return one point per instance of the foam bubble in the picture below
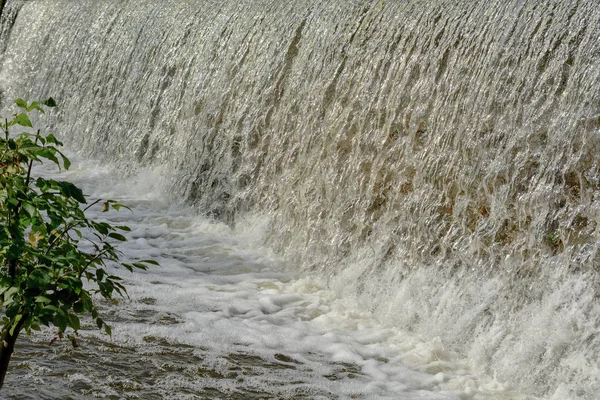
(222, 306)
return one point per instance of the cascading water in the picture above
(437, 162)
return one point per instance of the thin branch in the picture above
(91, 261)
(60, 236)
(68, 228)
(6, 134)
(31, 163)
(91, 205)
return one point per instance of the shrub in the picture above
(48, 247)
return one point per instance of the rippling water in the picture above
(223, 318)
(433, 163)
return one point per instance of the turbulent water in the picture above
(436, 163)
(224, 318)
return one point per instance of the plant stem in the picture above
(8, 346)
(30, 164)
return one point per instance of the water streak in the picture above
(437, 161)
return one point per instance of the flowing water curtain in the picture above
(436, 160)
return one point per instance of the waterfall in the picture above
(437, 161)
(8, 15)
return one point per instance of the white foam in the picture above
(222, 291)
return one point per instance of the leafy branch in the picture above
(42, 226)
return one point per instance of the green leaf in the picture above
(13, 310)
(52, 139)
(35, 106)
(70, 190)
(117, 236)
(101, 227)
(47, 153)
(79, 307)
(29, 208)
(42, 299)
(15, 323)
(38, 279)
(23, 120)
(8, 295)
(100, 274)
(141, 266)
(60, 320)
(74, 321)
(66, 161)
(150, 262)
(21, 103)
(114, 205)
(50, 102)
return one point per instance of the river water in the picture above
(372, 172)
(224, 318)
